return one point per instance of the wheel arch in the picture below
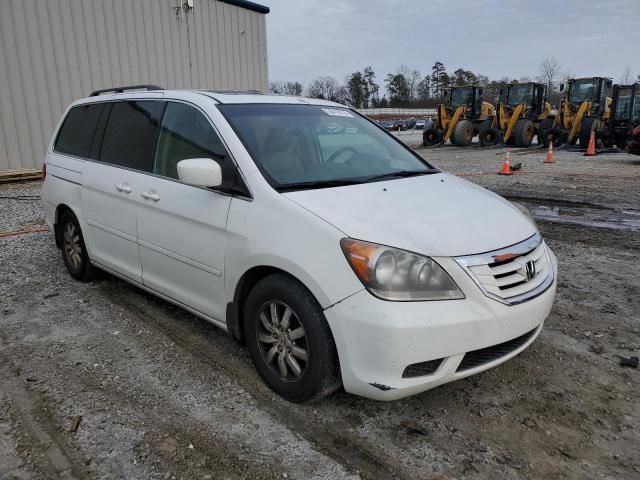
(59, 211)
(235, 308)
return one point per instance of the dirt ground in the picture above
(161, 394)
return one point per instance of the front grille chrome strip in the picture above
(504, 275)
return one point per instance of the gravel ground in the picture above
(161, 394)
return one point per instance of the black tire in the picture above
(74, 250)
(589, 125)
(482, 126)
(558, 136)
(524, 132)
(543, 131)
(463, 133)
(431, 136)
(319, 375)
(490, 137)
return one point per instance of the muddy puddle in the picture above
(590, 216)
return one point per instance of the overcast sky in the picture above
(309, 38)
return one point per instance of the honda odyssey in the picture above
(335, 253)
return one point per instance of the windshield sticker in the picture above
(335, 112)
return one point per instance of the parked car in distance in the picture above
(299, 228)
(386, 124)
(420, 124)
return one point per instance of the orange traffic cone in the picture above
(506, 165)
(549, 158)
(591, 149)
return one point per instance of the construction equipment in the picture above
(625, 115)
(519, 114)
(584, 108)
(459, 117)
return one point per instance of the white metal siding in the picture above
(55, 51)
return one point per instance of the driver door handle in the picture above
(151, 195)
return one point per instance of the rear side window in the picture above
(186, 133)
(78, 129)
(130, 134)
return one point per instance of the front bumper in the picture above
(377, 339)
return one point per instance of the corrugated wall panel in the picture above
(55, 51)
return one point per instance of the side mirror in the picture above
(562, 87)
(201, 172)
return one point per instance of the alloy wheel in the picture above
(282, 340)
(72, 246)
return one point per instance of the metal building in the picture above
(55, 51)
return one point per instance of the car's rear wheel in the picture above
(74, 250)
(289, 339)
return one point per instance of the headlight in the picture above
(394, 274)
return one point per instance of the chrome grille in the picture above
(514, 274)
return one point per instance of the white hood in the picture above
(438, 215)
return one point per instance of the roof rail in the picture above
(122, 89)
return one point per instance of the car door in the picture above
(181, 228)
(112, 185)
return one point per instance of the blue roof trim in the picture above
(248, 5)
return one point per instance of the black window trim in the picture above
(100, 131)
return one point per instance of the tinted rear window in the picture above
(78, 129)
(130, 134)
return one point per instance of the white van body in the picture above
(201, 248)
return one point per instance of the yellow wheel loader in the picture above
(460, 117)
(584, 108)
(522, 109)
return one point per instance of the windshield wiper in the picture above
(318, 184)
(401, 174)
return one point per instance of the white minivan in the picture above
(337, 254)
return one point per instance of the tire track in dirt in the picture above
(357, 455)
(154, 409)
(41, 428)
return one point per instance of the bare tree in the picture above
(626, 78)
(323, 87)
(413, 79)
(548, 73)
(286, 88)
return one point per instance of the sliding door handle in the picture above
(151, 195)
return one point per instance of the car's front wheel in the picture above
(289, 339)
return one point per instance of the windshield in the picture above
(519, 94)
(461, 96)
(582, 90)
(312, 146)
